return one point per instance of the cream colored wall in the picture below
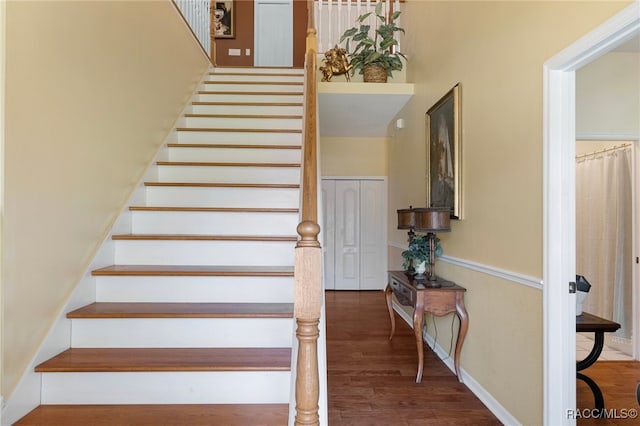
(353, 156)
(496, 51)
(92, 89)
(608, 97)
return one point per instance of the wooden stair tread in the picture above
(286, 117)
(248, 103)
(187, 237)
(210, 92)
(154, 415)
(195, 270)
(214, 209)
(168, 359)
(257, 83)
(232, 130)
(227, 185)
(236, 146)
(257, 74)
(211, 164)
(183, 310)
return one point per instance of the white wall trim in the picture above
(607, 136)
(496, 272)
(354, 178)
(476, 388)
(504, 274)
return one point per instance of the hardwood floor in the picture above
(617, 380)
(371, 380)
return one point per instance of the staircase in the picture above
(193, 324)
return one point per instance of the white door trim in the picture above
(559, 208)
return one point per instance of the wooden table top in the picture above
(408, 279)
(589, 322)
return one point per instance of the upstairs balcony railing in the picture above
(334, 17)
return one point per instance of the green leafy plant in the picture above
(418, 251)
(376, 50)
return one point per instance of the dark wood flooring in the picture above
(617, 380)
(371, 380)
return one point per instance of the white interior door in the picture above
(328, 230)
(273, 40)
(347, 241)
(354, 234)
(373, 256)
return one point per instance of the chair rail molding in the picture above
(504, 274)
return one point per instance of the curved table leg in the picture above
(598, 344)
(387, 294)
(461, 311)
(597, 394)
(593, 356)
(418, 315)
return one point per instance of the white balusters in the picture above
(334, 17)
(196, 13)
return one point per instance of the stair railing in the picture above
(308, 256)
(197, 15)
(334, 17)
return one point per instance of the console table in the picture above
(591, 323)
(438, 301)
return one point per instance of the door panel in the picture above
(354, 234)
(373, 257)
(273, 44)
(347, 256)
(328, 230)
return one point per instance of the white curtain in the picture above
(604, 235)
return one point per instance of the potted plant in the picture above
(374, 56)
(417, 254)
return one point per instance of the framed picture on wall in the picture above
(223, 19)
(443, 150)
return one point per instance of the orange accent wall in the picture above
(299, 32)
(244, 15)
(243, 40)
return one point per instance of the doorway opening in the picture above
(559, 254)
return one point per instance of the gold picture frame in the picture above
(443, 153)
(223, 22)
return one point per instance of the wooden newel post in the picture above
(308, 300)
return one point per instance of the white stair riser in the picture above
(240, 97)
(234, 253)
(198, 387)
(222, 197)
(257, 77)
(247, 109)
(229, 174)
(214, 223)
(181, 333)
(242, 123)
(260, 87)
(176, 289)
(266, 70)
(257, 138)
(235, 155)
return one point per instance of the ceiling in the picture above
(360, 109)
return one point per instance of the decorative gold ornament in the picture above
(336, 63)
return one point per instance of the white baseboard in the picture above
(476, 388)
